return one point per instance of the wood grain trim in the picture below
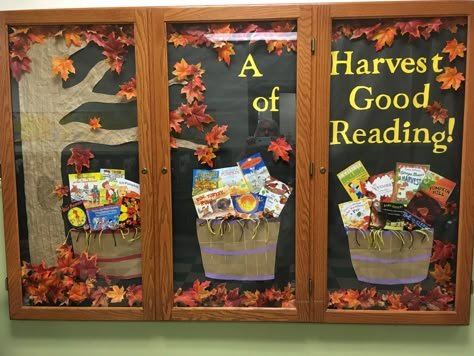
(78, 313)
(231, 13)
(235, 314)
(399, 8)
(146, 154)
(321, 93)
(162, 191)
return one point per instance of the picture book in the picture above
(108, 193)
(393, 215)
(408, 177)
(204, 180)
(352, 179)
(277, 194)
(104, 217)
(424, 207)
(75, 215)
(112, 174)
(85, 187)
(437, 187)
(214, 204)
(255, 171)
(127, 188)
(379, 186)
(356, 214)
(412, 222)
(249, 205)
(232, 178)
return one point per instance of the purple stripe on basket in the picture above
(392, 281)
(388, 261)
(239, 278)
(238, 253)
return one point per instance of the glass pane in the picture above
(397, 106)
(76, 150)
(232, 93)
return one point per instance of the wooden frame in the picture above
(322, 24)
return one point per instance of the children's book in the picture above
(204, 180)
(85, 187)
(277, 194)
(232, 178)
(249, 205)
(424, 207)
(408, 177)
(255, 171)
(352, 179)
(104, 217)
(75, 215)
(214, 204)
(393, 215)
(437, 187)
(356, 214)
(112, 174)
(109, 194)
(412, 222)
(379, 186)
(128, 188)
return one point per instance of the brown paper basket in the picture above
(390, 257)
(242, 250)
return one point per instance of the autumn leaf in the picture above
(128, 89)
(99, 297)
(250, 299)
(195, 115)
(201, 289)
(63, 66)
(87, 267)
(438, 114)
(67, 264)
(351, 298)
(19, 66)
(411, 27)
(450, 78)
(205, 155)
(116, 294)
(224, 51)
(431, 26)
(181, 70)
(221, 28)
(80, 158)
(173, 142)
(72, 35)
(367, 298)
(442, 251)
(454, 49)
(233, 298)
(450, 208)
(384, 37)
(175, 121)
(178, 39)
(412, 299)
(193, 90)
(185, 298)
(442, 275)
(115, 51)
(280, 149)
(61, 191)
(37, 294)
(78, 292)
(335, 299)
(395, 303)
(277, 46)
(134, 294)
(436, 300)
(94, 123)
(367, 31)
(216, 136)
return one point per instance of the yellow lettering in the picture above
(359, 133)
(408, 65)
(336, 132)
(396, 101)
(421, 65)
(424, 95)
(250, 64)
(274, 98)
(377, 61)
(393, 67)
(395, 129)
(336, 62)
(257, 107)
(362, 67)
(353, 94)
(436, 59)
(375, 136)
(417, 131)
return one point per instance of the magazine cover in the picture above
(356, 214)
(232, 178)
(379, 186)
(104, 217)
(352, 179)
(277, 194)
(249, 205)
(85, 187)
(437, 187)
(214, 204)
(255, 171)
(204, 180)
(408, 177)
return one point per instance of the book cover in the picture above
(412, 222)
(437, 187)
(75, 215)
(104, 217)
(424, 207)
(85, 187)
(214, 204)
(249, 205)
(408, 177)
(352, 179)
(204, 180)
(255, 171)
(355, 214)
(128, 188)
(232, 178)
(393, 215)
(108, 192)
(277, 194)
(379, 186)
(112, 174)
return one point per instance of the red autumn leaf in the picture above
(412, 27)
(37, 294)
(61, 190)
(175, 121)
(173, 142)
(412, 299)
(273, 295)
(233, 298)
(335, 299)
(367, 298)
(64, 250)
(99, 297)
(216, 136)
(128, 89)
(221, 28)
(201, 289)
(195, 115)
(67, 264)
(442, 251)
(87, 267)
(450, 208)
(431, 26)
(80, 158)
(56, 291)
(384, 37)
(134, 295)
(442, 275)
(276, 45)
(78, 292)
(36, 37)
(454, 49)
(250, 299)
(367, 31)
(224, 51)
(94, 123)
(436, 300)
(351, 298)
(63, 66)
(450, 78)
(280, 149)
(115, 51)
(193, 90)
(187, 298)
(395, 303)
(453, 23)
(219, 295)
(289, 299)
(438, 114)
(196, 71)
(182, 70)
(116, 294)
(18, 67)
(205, 155)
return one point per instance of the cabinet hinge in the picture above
(311, 168)
(6, 283)
(313, 45)
(310, 287)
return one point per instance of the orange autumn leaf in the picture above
(395, 303)
(63, 66)
(454, 49)
(442, 275)
(134, 294)
(335, 299)
(450, 78)
(73, 36)
(61, 190)
(351, 298)
(94, 123)
(37, 294)
(438, 113)
(116, 294)
(178, 39)
(173, 142)
(128, 89)
(193, 90)
(216, 136)
(280, 149)
(276, 46)
(175, 121)
(384, 37)
(205, 155)
(182, 69)
(224, 51)
(78, 292)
